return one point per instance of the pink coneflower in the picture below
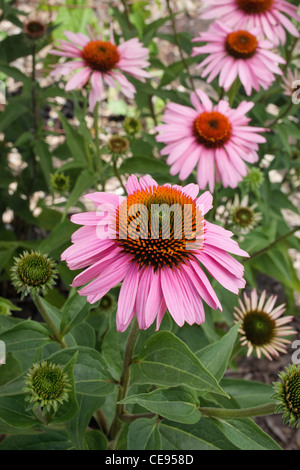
(269, 16)
(158, 242)
(237, 53)
(101, 61)
(262, 329)
(216, 138)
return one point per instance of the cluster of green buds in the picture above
(47, 387)
(60, 182)
(132, 125)
(33, 272)
(253, 180)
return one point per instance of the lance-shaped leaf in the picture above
(176, 404)
(166, 360)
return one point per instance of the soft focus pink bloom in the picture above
(237, 53)
(100, 61)
(217, 139)
(157, 273)
(269, 16)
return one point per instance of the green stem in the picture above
(117, 175)
(282, 115)
(271, 245)
(124, 381)
(261, 410)
(101, 421)
(37, 301)
(129, 418)
(34, 117)
(223, 413)
(173, 24)
(99, 163)
(289, 56)
(127, 11)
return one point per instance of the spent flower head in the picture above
(47, 386)
(35, 27)
(242, 216)
(262, 329)
(287, 394)
(33, 272)
(118, 145)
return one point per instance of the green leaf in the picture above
(171, 73)
(67, 410)
(165, 360)
(144, 434)
(11, 370)
(12, 111)
(13, 72)
(247, 393)
(176, 404)
(76, 428)
(113, 349)
(95, 440)
(84, 335)
(84, 181)
(144, 165)
(60, 235)
(245, 434)
(91, 377)
(27, 335)
(45, 160)
(74, 312)
(277, 264)
(75, 141)
(216, 356)
(203, 435)
(14, 386)
(46, 439)
(12, 411)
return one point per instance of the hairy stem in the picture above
(271, 245)
(261, 410)
(37, 301)
(173, 24)
(124, 381)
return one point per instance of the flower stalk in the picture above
(37, 301)
(124, 381)
(223, 413)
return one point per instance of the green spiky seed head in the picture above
(33, 272)
(287, 394)
(47, 387)
(60, 182)
(254, 179)
(132, 125)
